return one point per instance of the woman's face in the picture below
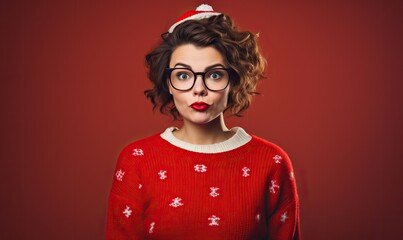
(198, 105)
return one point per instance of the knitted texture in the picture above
(202, 11)
(163, 191)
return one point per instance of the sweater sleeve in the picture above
(283, 205)
(125, 206)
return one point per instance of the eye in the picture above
(215, 75)
(182, 76)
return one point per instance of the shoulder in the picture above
(273, 152)
(139, 148)
(267, 145)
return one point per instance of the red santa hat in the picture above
(202, 11)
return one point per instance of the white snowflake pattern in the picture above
(200, 168)
(162, 174)
(138, 152)
(214, 220)
(119, 175)
(151, 227)
(291, 176)
(284, 217)
(277, 159)
(274, 186)
(246, 171)
(214, 192)
(258, 217)
(176, 202)
(140, 186)
(127, 212)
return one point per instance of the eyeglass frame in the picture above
(202, 74)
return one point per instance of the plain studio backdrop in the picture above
(72, 81)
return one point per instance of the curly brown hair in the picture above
(239, 49)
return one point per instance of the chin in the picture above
(202, 119)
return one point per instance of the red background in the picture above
(72, 77)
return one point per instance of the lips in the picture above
(200, 106)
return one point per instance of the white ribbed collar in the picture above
(238, 139)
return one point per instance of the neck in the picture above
(213, 132)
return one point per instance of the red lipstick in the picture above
(200, 106)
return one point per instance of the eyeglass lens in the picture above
(214, 79)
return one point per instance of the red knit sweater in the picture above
(242, 188)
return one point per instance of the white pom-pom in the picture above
(204, 7)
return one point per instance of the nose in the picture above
(199, 88)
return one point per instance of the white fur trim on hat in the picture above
(205, 7)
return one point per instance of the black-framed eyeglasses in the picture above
(183, 79)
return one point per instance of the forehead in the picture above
(196, 57)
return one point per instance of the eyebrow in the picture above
(206, 69)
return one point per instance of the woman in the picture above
(203, 180)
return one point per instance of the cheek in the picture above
(178, 98)
(222, 99)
